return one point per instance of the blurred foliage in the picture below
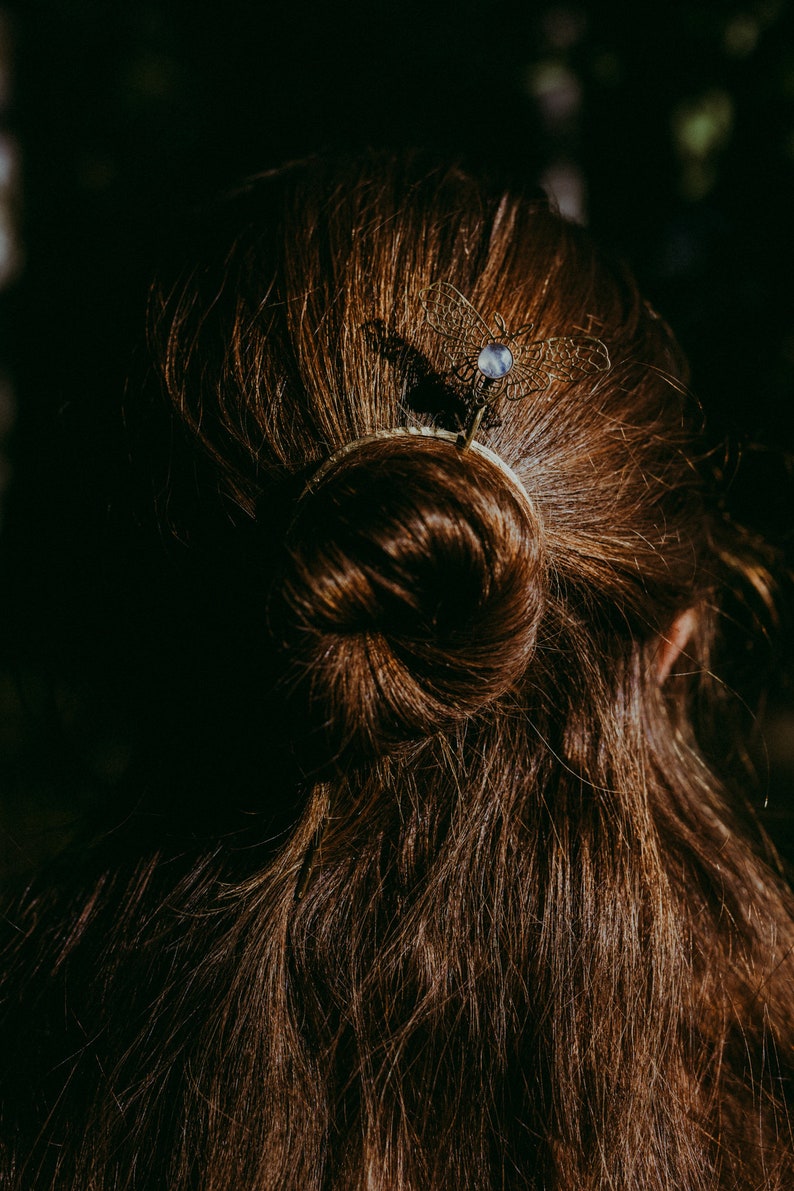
(673, 125)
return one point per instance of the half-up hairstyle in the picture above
(513, 937)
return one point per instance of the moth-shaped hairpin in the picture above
(494, 362)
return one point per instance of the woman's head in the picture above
(416, 588)
(511, 937)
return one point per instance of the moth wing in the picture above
(563, 358)
(571, 356)
(454, 317)
(526, 377)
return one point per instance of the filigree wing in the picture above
(454, 317)
(566, 357)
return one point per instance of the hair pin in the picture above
(495, 362)
(412, 432)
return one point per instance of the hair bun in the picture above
(411, 593)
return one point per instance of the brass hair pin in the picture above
(492, 361)
(416, 432)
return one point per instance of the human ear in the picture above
(673, 642)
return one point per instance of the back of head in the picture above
(308, 333)
(513, 939)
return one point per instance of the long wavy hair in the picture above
(513, 935)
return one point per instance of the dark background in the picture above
(674, 126)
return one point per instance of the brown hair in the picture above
(515, 938)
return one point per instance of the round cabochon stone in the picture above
(495, 360)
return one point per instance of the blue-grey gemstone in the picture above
(495, 360)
